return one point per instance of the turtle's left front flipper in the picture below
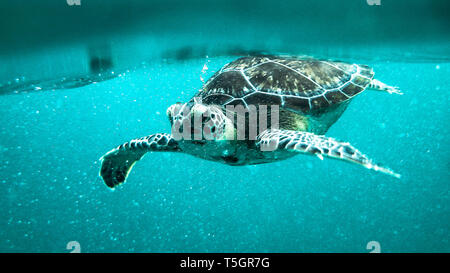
(117, 163)
(309, 143)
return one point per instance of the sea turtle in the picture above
(307, 96)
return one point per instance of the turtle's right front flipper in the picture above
(309, 143)
(117, 163)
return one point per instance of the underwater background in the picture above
(78, 80)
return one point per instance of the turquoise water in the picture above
(62, 108)
(51, 194)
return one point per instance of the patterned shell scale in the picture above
(294, 83)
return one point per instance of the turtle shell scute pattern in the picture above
(298, 84)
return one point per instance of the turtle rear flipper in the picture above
(309, 143)
(380, 86)
(117, 163)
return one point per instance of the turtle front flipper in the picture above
(117, 163)
(309, 143)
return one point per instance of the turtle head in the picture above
(197, 121)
